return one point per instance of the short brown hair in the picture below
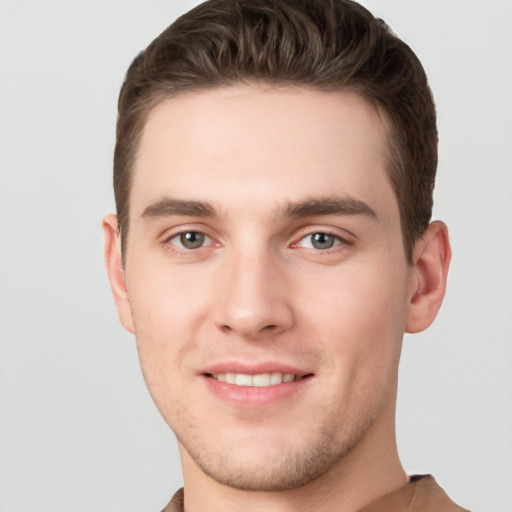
(320, 44)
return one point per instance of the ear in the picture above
(431, 260)
(115, 270)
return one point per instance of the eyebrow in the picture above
(170, 206)
(331, 205)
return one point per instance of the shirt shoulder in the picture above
(176, 503)
(421, 494)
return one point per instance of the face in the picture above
(267, 280)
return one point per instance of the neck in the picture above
(371, 470)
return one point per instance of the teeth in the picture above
(243, 380)
(260, 380)
(276, 378)
(230, 378)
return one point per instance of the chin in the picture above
(272, 466)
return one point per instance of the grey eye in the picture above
(319, 241)
(191, 239)
(322, 240)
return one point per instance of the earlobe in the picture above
(431, 260)
(115, 270)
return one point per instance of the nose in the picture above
(254, 300)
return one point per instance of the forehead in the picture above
(250, 143)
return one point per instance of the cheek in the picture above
(362, 321)
(166, 299)
(167, 312)
(161, 345)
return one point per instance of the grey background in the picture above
(78, 429)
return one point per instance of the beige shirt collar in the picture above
(421, 494)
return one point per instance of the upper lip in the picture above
(253, 368)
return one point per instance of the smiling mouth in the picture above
(259, 380)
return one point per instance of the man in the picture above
(273, 172)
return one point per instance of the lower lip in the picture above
(254, 396)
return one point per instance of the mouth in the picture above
(259, 380)
(255, 385)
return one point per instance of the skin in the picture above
(258, 291)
